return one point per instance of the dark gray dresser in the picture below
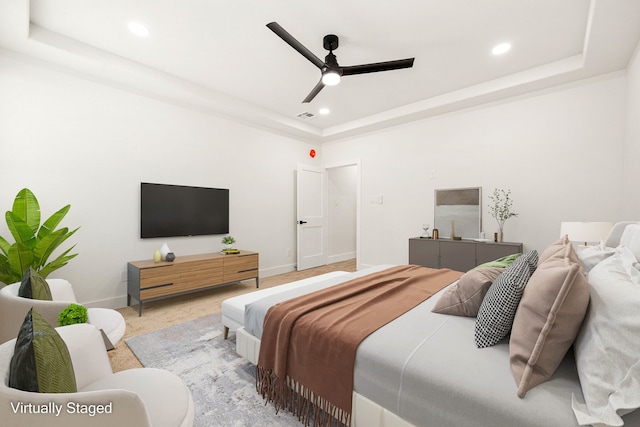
(460, 255)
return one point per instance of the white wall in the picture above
(560, 152)
(75, 141)
(631, 195)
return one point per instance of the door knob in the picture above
(302, 222)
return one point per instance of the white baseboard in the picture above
(281, 269)
(341, 257)
(363, 266)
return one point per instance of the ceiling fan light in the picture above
(331, 78)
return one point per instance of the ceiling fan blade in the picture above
(291, 41)
(314, 92)
(378, 66)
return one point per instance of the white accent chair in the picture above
(13, 309)
(138, 397)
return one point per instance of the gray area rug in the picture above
(221, 382)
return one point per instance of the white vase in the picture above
(164, 250)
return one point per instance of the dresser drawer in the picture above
(240, 267)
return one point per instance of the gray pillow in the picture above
(498, 308)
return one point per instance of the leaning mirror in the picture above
(458, 212)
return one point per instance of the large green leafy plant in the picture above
(34, 243)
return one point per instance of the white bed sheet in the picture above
(233, 308)
(425, 368)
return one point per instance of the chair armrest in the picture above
(61, 290)
(13, 310)
(88, 352)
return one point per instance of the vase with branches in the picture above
(501, 208)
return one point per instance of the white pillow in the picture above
(607, 348)
(631, 239)
(589, 256)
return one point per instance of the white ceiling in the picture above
(220, 56)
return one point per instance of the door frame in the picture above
(357, 164)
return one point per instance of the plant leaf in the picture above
(7, 275)
(20, 258)
(52, 222)
(59, 236)
(20, 230)
(46, 246)
(4, 245)
(57, 263)
(26, 207)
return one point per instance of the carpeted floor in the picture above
(221, 382)
(163, 313)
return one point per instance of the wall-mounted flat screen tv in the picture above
(177, 210)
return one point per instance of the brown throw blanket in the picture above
(308, 347)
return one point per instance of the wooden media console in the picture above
(148, 280)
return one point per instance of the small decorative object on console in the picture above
(227, 241)
(170, 257)
(229, 251)
(164, 250)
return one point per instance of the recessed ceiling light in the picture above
(501, 48)
(324, 111)
(138, 29)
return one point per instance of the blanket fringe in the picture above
(288, 394)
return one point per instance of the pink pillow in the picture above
(549, 316)
(465, 297)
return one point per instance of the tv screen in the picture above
(176, 210)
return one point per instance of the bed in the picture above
(233, 308)
(425, 369)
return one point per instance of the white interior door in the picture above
(312, 216)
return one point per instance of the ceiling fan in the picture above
(331, 71)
